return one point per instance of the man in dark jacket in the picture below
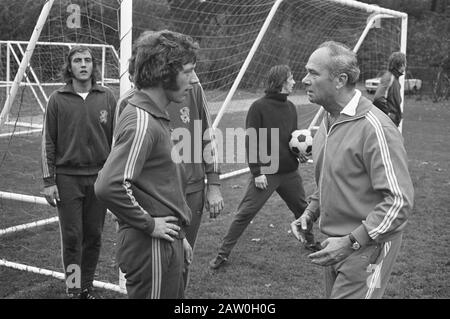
(76, 141)
(191, 118)
(277, 116)
(141, 182)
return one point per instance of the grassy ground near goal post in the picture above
(267, 262)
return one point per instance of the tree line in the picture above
(428, 25)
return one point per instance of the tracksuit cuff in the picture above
(255, 170)
(49, 181)
(313, 210)
(213, 179)
(361, 235)
(151, 225)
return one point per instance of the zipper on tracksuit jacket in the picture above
(328, 132)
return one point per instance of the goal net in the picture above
(240, 41)
(29, 232)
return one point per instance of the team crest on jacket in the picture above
(185, 115)
(103, 116)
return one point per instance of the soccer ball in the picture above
(301, 142)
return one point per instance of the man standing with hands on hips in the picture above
(140, 182)
(364, 191)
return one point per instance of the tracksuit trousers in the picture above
(290, 188)
(153, 267)
(364, 274)
(196, 202)
(81, 220)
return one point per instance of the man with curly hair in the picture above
(141, 183)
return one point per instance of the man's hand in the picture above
(165, 229)
(188, 253)
(302, 224)
(51, 195)
(214, 200)
(302, 157)
(335, 249)
(261, 182)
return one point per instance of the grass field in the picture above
(267, 262)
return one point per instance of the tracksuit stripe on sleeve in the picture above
(141, 129)
(391, 177)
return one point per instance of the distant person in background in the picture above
(76, 140)
(193, 114)
(388, 95)
(272, 112)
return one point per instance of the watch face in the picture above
(356, 246)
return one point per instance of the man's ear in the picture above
(341, 80)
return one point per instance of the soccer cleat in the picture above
(88, 294)
(71, 295)
(217, 262)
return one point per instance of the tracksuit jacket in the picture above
(193, 115)
(84, 150)
(140, 180)
(361, 171)
(191, 112)
(268, 112)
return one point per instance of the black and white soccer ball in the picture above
(301, 142)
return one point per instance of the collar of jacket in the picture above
(396, 73)
(364, 106)
(144, 101)
(68, 88)
(277, 96)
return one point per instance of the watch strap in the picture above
(354, 242)
(352, 238)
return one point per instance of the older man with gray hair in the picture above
(364, 192)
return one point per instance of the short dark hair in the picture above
(160, 56)
(277, 76)
(66, 71)
(396, 61)
(343, 60)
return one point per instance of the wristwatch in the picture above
(355, 244)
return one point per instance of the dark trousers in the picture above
(290, 188)
(196, 203)
(81, 219)
(153, 267)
